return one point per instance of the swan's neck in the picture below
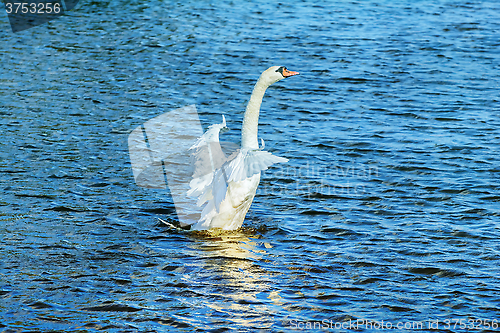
(251, 118)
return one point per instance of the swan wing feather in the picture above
(251, 162)
(244, 164)
(210, 135)
(213, 171)
(207, 157)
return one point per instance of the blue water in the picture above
(388, 209)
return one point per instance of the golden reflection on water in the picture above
(229, 259)
(238, 244)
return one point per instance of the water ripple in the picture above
(387, 209)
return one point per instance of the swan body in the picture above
(227, 185)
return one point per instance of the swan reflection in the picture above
(230, 272)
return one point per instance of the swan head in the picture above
(276, 73)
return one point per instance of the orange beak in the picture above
(287, 73)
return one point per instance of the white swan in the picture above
(227, 185)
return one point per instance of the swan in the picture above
(227, 185)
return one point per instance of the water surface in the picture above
(388, 209)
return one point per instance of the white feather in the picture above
(227, 185)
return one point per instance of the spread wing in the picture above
(207, 153)
(250, 162)
(241, 165)
(214, 171)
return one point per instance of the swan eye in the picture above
(285, 72)
(281, 70)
